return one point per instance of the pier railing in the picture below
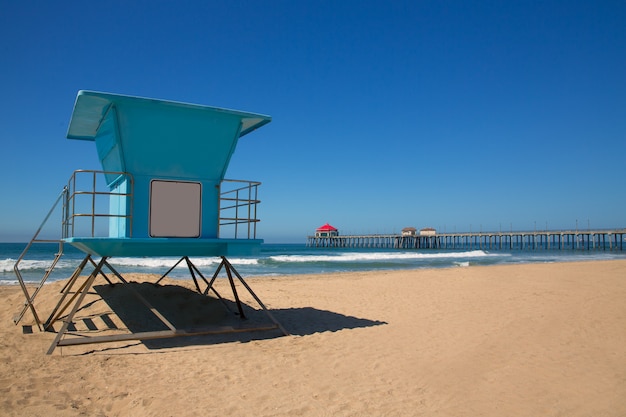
(598, 239)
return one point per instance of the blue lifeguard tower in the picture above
(163, 168)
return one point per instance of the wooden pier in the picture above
(601, 239)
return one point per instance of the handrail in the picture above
(71, 213)
(16, 267)
(239, 206)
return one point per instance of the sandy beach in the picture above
(516, 340)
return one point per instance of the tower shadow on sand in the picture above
(187, 309)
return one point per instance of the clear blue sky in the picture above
(385, 114)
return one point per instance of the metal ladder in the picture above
(28, 304)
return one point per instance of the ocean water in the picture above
(288, 259)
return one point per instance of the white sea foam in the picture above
(30, 265)
(381, 256)
(25, 265)
(6, 265)
(168, 262)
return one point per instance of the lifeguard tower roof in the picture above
(148, 136)
(176, 155)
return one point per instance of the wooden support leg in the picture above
(217, 272)
(76, 273)
(232, 286)
(85, 289)
(169, 270)
(101, 273)
(258, 300)
(193, 275)
(195, 268)
(209, 284)
(117, 274)
(65, 291)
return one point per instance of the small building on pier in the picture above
(409, 231)
(428, 231)
(326, 231)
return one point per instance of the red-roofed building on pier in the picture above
(326, 231)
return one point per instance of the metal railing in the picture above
(87, 202)
(238, 208)
(18, 273)
(89, 199)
